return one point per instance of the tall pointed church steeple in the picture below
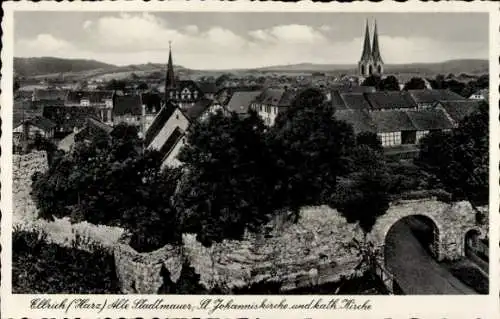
(378, 63)
(377, 58)
(169, 76)
(367, 52)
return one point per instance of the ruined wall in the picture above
(25, 213)
(295, 255)
(312, 251)
(140, 273)
(452, 221)
(24, 166)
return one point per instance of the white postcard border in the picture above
(488, 306)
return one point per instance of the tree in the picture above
(220, 80)
(310, 147)
(228, 183)
(363, 195)
(16, 85)
(109, 181)
(143, 86)
(415, 84)
(461, 159)
(390, 83)
(371, 140)
(118, 85)
(372, 80)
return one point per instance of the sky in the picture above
(208, 40)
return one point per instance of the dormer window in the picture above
(185, 94)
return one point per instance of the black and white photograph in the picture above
(250, 153)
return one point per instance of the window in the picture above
(390, 139)
(186, 94)
(421, 134)
(408, 137)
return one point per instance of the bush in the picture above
(440, 195)
(42, 267)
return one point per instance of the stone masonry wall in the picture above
(295, 255)
(140, 273)
(25, 213)
(24, 166)
(452, 221)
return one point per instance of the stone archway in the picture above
(422, 229)
(452, 221)
(471, 238)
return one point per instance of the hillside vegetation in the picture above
(48, 65)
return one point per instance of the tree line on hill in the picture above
(440, 82)
(237, 174)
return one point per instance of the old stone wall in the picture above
(313, 250)
(140, 273)
(24, 166)
(452, 222)
(25, 213)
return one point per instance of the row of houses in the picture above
(400, 119)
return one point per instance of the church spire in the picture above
(367, 52)
(169, 76)
(377, 58)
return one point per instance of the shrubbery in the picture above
(460, 159)
(42, 267)
(110, 181)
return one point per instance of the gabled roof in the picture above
(430, 96)
(482, 92)
(336, 100)
(430, 119)
(390, 100)
(350, 88)
(360, 120)
(24, 94)
(93, 96)
(276, 97)
(93, 127)
(49, 94)
(158, 122)
(40, 122)
(240, 101)
(207, 87)
(98, 125)
(127, 104)
(197, 110)
(355, 101)
(392, 121)
(457, 110)
(152, 101)
(67, 117)
(45, 103)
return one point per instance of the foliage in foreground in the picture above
(110, 181)
(42, 267)
(460, 159)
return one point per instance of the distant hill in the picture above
(469, 66)
(49, 65)
(91, 69)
